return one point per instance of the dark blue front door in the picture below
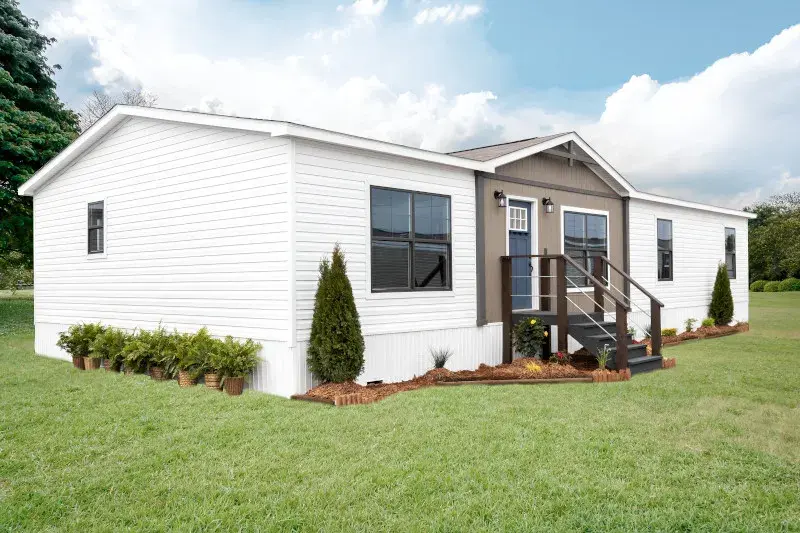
(519, 243)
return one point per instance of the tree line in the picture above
(774, 238)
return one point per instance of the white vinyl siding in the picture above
(332, 205)
(196, 232)
(698, 244)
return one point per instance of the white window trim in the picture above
(725, 228)
(573, 209)
(533, 228)
(85, 240)
(523, 212)
(418, 187)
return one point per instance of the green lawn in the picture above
(711, 445)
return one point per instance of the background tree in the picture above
(336, 347)
(774, 238)
(100, 103)
(34, 124)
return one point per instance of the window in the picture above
(585, 237)
(518, 218)
(96, 244)
(411, 242)
(730, 252)
(664, 238)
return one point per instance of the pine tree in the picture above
(336, 348)
(721, 307)
(34, 124)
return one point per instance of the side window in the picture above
(730, 252)
(664, 229)
(96, 237)
(585, 237)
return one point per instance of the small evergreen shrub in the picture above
(235, 359)
(721, 307)
(758, 286)
(669, 332)
(528, 337)
(708, 322)
(110, 344)
(336, 347)
(78, 339)
(790, 285)
(440, 356)
(690, 322)
(772, 286)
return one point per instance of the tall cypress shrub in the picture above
(721, 307)
(336, 348)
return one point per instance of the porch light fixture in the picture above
(501, 198)
(548, 205)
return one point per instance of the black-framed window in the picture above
(96, 236)
(585, 237)
(730, 252)
(411, 240)
(664, 244)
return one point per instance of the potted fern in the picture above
(234, 360)
(136, 354)
(161, 346)
(109, 346)
(190, 350)
(77, 341)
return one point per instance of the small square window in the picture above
(518, 218)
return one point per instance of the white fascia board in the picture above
(690, 205)
(361, 143)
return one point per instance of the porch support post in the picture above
(655, 327)
(505, 273)
(597, 272)
(622, 337)
(544, 284)
(562, 320)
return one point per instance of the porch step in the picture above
(636, 352)
(646, 363)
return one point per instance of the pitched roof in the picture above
(487, 153)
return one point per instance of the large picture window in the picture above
(664, 238)
(411, 241)
(96, 237)
(730, 252)
(585, 237)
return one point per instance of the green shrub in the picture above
(669, 332)
(151, 348)
(758, 286)
(690, 322)
(234, 359)
(772, 286)
(77, 340)
(708, 322)
(721, 307)
(193, 351)
(110, 344)
(603, 355)
(528, 337)
(790, 285)
(440, 356)
(336, 347)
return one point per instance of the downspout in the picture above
(480, 257)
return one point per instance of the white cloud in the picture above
(447, 14)
(726, 135)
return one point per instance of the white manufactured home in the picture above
(196, 220)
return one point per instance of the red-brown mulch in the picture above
(702, 333)
(329, 392)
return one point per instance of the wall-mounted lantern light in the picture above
(501, 198)
(548, 205)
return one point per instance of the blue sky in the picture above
(691, 99)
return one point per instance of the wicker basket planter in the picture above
(185, 379)
(77, 362)
(157, 373)
(234, 386)
(91, 363)
(212, 381)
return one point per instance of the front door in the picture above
(520, 232)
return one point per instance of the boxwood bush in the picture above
(772, 286)
(669, 332)
(758, 286)
(790, 284)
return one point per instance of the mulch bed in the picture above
(701, 333)
(521, 370)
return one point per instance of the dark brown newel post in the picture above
(562, 320)
(505, 272)
(655, 327)
(544, 284)
(597, 272)
(622, 337)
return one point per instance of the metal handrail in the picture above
(626, 296)
(592, 319)
(632, 281)
(595, 282)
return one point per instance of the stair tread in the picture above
(603, 323)
(635, 347)
(643, 359)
